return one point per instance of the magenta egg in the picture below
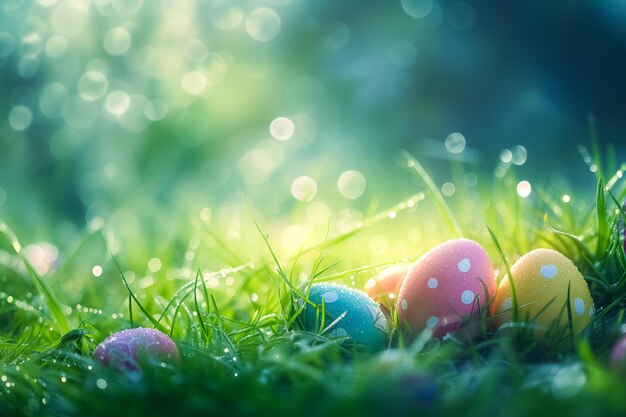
(618, 355)
(124, 350)
(448, 284)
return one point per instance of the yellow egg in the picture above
(541, 279)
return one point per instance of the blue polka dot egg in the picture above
(349, 314)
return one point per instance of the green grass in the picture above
(232, 306)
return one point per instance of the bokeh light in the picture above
(524, 189)
(351, 184)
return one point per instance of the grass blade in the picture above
(54, 307)
(508, 272)
(440, 204)
(134, 298)
(601, 221)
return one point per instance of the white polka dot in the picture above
(404, 305)
(548, 271)
(464, 265)
(467, 297)
(579, 306)
(507, 304)
(330, 296)
(591, 311)
(432, 322)
(432, 283)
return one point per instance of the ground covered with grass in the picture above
(232, 306)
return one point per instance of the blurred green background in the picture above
(140, 116)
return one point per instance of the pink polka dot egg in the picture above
(448, 284)
(125, 350)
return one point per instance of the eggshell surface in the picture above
(123, 350)
(542, 277)
(451, 281)
(385, 286)
(358, 318)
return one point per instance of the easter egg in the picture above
(541, 278)
(349, 313)
(124, 350)
(618, 355)
(448, 284)
(384, 287)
